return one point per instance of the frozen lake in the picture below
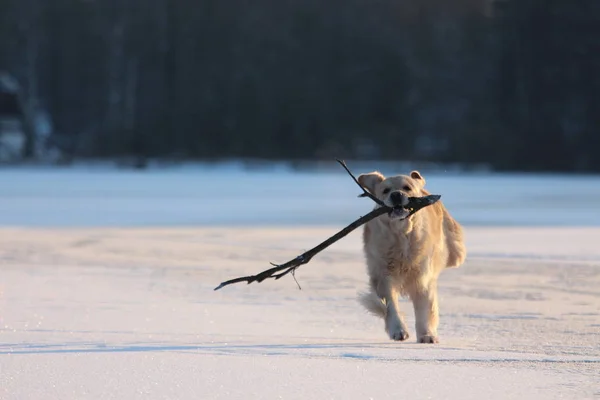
(105, 313)
(107, 277)
(197, 196)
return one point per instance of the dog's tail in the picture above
(373, 304)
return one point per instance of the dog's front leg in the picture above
(394, 323)
(425, 302)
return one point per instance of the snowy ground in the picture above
(106, 285)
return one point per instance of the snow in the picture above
(107, 277)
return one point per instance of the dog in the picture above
(405, 254)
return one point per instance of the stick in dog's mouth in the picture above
(414, 204)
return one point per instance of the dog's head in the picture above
(395, 190)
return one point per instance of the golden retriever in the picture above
(406, 255)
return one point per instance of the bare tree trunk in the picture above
(114, 109)
(130, 98)
(29, 89)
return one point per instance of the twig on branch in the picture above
(280, 270)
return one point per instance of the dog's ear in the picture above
(371, 180)
(418, 177)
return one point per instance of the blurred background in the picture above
(499, 84)
(231, 111)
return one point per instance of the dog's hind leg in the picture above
(425, 302)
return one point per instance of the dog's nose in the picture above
(397, 198)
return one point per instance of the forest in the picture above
(513, 84)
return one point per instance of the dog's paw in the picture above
(398, 333)
(428, 339)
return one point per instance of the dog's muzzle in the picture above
(398, 201)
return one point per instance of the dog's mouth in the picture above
(400, 213)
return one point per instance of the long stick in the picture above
(304, 258)
(280, 270)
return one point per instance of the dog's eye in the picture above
(406, 188)
(386, 190)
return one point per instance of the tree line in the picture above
(509, 83)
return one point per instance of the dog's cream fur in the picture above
(405, 257)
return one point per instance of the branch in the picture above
(365, 192)
(280, 270)
(304, 258)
